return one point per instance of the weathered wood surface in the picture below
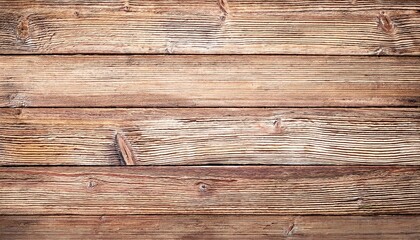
(209, 227)
(212, 81)
(183, 136)
(210, 190)
(217, 27)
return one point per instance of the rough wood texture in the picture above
(216, 26)
(209, 227)
(173, 136)
(214, 81)
(204, 190)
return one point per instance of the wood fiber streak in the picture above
(216, 27)
(209, 227)
(210, 190)
(208, 81)
(209, 136)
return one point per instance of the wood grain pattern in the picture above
(202, 119)
(218, 27)
(208, 81)
(209, 227)
(182, 136)
(210, 190)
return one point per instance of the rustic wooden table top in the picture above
(210, 119)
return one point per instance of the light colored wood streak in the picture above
(209, 227)
(210, 136)
(216, 27)
(212, 81)
(210, 190)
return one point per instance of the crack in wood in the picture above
(290, 229)
(223, 4)
(125, 150)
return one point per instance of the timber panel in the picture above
(211, 27)
(210, 190)
(208, 81)
(183, 136)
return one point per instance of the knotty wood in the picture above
(125, 150)
(209, 227)
(213, 81)
(44, 136)
(216, 27)
(210, 190)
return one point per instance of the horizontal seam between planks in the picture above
(202, 214)
(198, 54)
(218, 214)
(216, 107)
(220, 165)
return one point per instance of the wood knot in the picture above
(276, 127)
(126, 9)
(385, 51)
(385, 23)
(92, 184)
(125, 150)
(17, 112)
(22, 30)
(202, 187)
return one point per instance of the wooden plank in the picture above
(210, 190)
(218, 27)
(208, 81)
(209, 227)
(182, 136)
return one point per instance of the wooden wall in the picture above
(210, 119)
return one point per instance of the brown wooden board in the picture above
(209, 119)
(208, 81)
(347, 27)
(297, 190)
(209, 227)
(183, 136)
